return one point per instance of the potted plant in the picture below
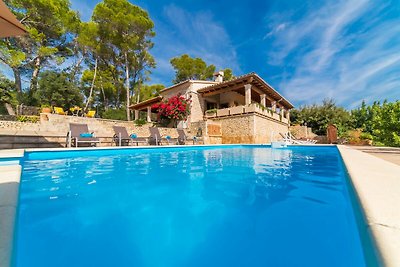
(46, 108)
(211, 113)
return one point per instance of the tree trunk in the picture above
(18, 85)
(35, 75)
(92, 86)
(128, 113)
(9, 109)
(105, 102)
(76, 68)
(138, 91)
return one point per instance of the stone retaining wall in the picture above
(52, 129)
(302, 132)
(251, 128)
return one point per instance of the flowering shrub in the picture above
(174, 108)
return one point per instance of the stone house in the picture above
(243, 110)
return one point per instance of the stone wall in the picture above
(237, 129)
(267, 130)
(197, 108)
(250, 128)
(52, 129)
(302, 132)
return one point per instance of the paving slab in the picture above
(391, 154)
(11, 153)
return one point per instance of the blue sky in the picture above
(348, 50)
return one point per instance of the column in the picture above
(263, 100)
(136, 114)
(149, 114)
(247, 98)
(282, 111)
(273, 106)
(288, 114)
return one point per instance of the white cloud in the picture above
(195, 33)
(346, 50)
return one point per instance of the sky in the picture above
(347, 50)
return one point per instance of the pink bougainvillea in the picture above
(174, 108)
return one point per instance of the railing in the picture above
(253, 108)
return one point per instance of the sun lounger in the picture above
(157, 139)
(182, 137)
(60, 111)
(90, 114)
(121, 137)
(79, 133)
(289, 138)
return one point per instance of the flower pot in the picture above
(46, 110)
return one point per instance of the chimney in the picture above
(219, 77)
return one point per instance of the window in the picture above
(210, 105)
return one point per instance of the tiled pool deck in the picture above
(376, 181)
(391, 154)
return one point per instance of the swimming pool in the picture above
(187, 206)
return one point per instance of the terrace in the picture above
(243, 95)
(282, 116)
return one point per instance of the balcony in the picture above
(252, 108)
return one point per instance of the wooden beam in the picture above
(224, 90)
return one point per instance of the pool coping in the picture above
(377, 185)
(374, 180)
(9, 187)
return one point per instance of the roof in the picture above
(9, 25)
(186, 81)
(250, 78)
(146, 103)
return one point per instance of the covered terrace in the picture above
(242, 92)
(145, 106)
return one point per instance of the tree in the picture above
(361, 117)
(228, 74)
(379, 122)
(142, 62)
(319, 116)
(7, 94)
(187, 68)
(89, 43)
(103, 90)
(7, 88)
(149, 91)
(56, 89)
(125, 31)
(50, 24)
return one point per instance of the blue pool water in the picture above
(233, 206)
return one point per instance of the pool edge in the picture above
(377, 184)
(374, 180)
(9, 190)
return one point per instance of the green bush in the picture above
(211, 111)
(318, 117)
(115, 114)
(379, 122)
(24, 118)
(140, 122)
